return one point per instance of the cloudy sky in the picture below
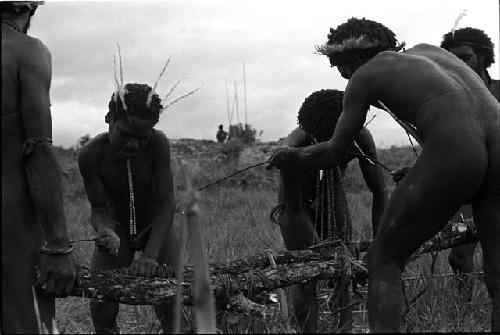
(210, 41)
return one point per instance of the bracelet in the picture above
(58, 251)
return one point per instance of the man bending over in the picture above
(129, 184)
(299, 206)
(457, 119)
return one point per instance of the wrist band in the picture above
(56, 251)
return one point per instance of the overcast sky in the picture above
(210, 41)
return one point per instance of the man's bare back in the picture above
(457, 119)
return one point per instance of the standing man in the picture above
(33, 224)
(129, 184)
(475, 48)
(221, 134)
(300, 192)
(457, 119)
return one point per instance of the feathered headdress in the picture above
(120, 89)
(352, 43)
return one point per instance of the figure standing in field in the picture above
(475, 48)
(457, 120)
(221, 134)
(129, 184)
(30, 172)
(302, 199)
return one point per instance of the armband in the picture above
(56, 251)
(30, 144)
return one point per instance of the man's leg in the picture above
(104, 313)
(170, 252)
(305, 306)
(486, 208)
(423, 202)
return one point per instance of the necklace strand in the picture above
(132, 221)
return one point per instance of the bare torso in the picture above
(112, 171)
(405, 82)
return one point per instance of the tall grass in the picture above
(234, 222)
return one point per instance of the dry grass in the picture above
(234, 221)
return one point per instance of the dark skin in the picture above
(461, 258)
(457, 119)
(295, 223)
(102, 165)
(29, 217)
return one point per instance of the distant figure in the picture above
(34, 230)
(476, 50)
(129, 184)
(221, 134)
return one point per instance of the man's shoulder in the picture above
(93, 149)
(28, 46)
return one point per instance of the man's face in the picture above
(129, 138)
(345, 71)
(467, 54)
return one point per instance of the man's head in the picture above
(19, 12)
(131, 124)
(320, 112)
(355, 42)
(221, 127)
(472, 46)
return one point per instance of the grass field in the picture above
(234, 217)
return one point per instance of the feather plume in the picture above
(121, 65)
(457, 21)
(153, 91)
(181, 97)
(173, 87)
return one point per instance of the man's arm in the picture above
(88, 159)
(373, 176)
(43, 174)
(89, 155)
(329, 154)
(42, 170)
(164, 198)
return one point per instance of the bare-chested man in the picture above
(475, 48)
(32, 204)
(458, 121)
(297, 193)
(129, 184)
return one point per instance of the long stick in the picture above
(409, 129)
(203, 295)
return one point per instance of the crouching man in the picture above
(129, 184)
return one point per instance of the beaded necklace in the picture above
(132, 221)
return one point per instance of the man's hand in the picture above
(107, 241)
(144, 266)
(58, 273)
(284, 158)
(398, 175)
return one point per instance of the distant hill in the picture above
(206, 161)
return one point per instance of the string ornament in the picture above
(332, 219)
